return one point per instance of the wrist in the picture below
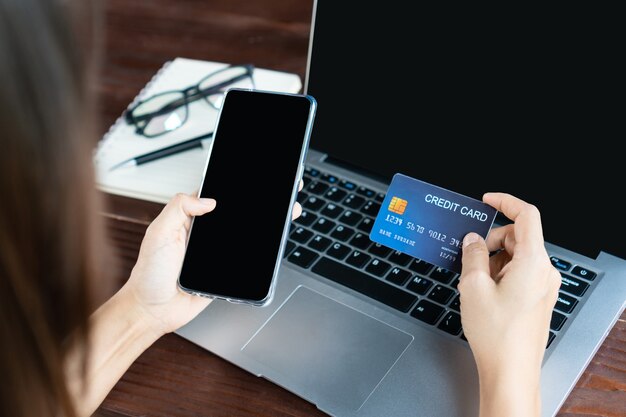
(143, 320)
(510, 389)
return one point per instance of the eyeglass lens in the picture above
(168, 111)
(160, 122)
(233, 77)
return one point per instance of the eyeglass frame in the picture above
(190, 94)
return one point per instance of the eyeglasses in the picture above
(168, 111)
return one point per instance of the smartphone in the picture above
(255, 164)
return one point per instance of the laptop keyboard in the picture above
(331, 238)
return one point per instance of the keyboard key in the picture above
(442, 275)
(420, 267)
(398, 276)
(358, 259)
(419, 285)
(366, 224)
(455, 282)
(302, 257)
(573, 285)
(317, 187)
(365, 284)
(565, 303)
(338, 251)
(350, 218)
(427, 312)
(441, 294)
(306, 180)
(350, 186)
(456, 303)
(361, 241)
(302, 197)
(560, 263)
(323, 225)
(379, 250)
(451, 323)
(380, 197)
(557, 320)
(399, 258)
(320, 243)
(288, 248)
(377, 267)
(353, 201)
(335, 194)
(330, 178)
(313, 203)
(312, 172)
(306, 218)
(370, 208)
(331, 211)
(584, 273)
(366, 192)
(301, 235)
(551, 337)
(342, 233)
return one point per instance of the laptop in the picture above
(361, 330)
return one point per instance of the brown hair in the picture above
(47, 203)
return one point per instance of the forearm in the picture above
(120, 332)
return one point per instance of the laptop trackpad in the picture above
(330, 353)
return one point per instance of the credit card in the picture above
(429, 222)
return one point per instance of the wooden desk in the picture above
(174, 377)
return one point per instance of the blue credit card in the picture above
(429, 222)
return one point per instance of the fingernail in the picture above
(208, 202)
(471, 238)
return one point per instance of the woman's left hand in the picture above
(152, 285)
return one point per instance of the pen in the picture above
(162, 153)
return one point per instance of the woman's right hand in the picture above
(506, 306)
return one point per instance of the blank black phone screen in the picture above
(232, 251)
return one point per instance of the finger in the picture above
(300, 185)
(501, 238)
(192, 206)
(496, 263)
(297, 211)
(475, 255)
(528, 231)
(183, 206)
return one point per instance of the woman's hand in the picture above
(148, 306)
(506, 306)
(152, 284)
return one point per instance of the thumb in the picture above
(182, 207)
(199, 206)
(475, 255)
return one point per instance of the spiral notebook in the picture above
(160, 180)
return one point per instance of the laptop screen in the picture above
(525, 106)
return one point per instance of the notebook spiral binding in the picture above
(104, 141)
